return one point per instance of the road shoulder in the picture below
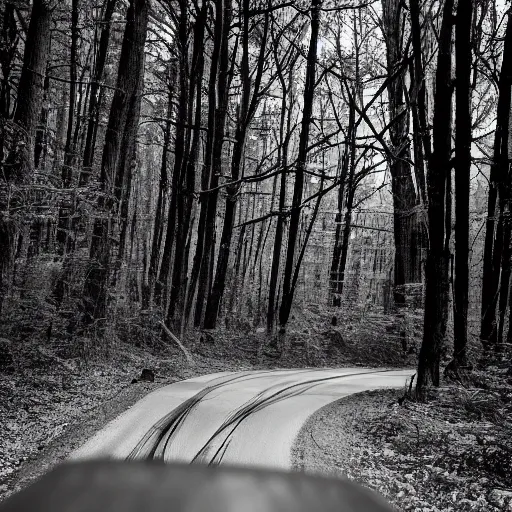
(411, 453)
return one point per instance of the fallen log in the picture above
(187, 354)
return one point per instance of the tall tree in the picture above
(493, 245)
(249, 103)
(421, 133)
(347, 185)
(64, 224)
(295, 213)
(20, 161)
(158, 226)
(202, 267)
(285, 133)
(405, 218)
(19, 164)
(175, 220)
(180, 281)
(118, 140)
(9, 38)
(438, 178)
(463, 59)
(94, 94)
(349, 161)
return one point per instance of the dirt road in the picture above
(247, 418)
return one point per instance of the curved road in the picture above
(247, 418)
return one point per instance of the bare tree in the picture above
(309, 93)
(494, 234)
(249, 102)
(463, 59)
(406, 218)
(439, 215)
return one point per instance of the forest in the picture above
(212, 162)
(261, 175)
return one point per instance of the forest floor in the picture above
(48, 410)
(54, 394)
(450, 453)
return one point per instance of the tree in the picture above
(285, 133)
(175, 220)
(202, 268)
(348, 185)
(494, 226)
(19, 165)
(123, 120)
(20, 162)
(439, 215)
(8, 47)
(64, 224)
(250, 97)
(158, 226)
(307, 108)
(406, 221)
(188, 182)
(463, 59)
(94, 101)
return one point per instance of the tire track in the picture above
(161, 436)
(168, 425)
(255, 405)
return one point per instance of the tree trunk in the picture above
(284, 140)
(246, 112)
(217, 110)
(309, 92)
(126, 165)
(174, 221)
(126, 96)
(339, 257)
(206, 173)
(94, 102)
(20, 161)
(180, 269)
(439, 167)
(65, 214)
(41, 138)
(504, 288)
(402, 187)
(493, 244)
(158, 226)
(418, 102)
(462, 177)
